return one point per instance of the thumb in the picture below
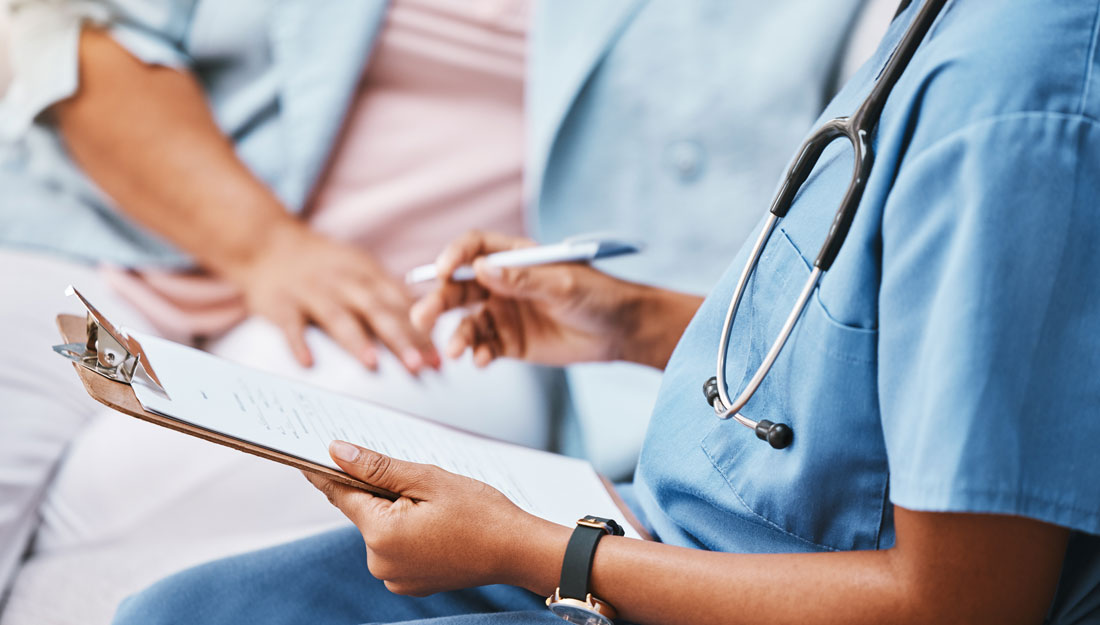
(406, 479)
(542, 282)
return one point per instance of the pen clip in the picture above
(607, 243)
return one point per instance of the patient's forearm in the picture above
(946, 568)
(145, 135)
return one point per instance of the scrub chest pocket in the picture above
(829, 487)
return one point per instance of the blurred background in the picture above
(253, 179)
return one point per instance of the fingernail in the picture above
(413, 360)
(455, 348)
(440, 261)
(369, 358)
(305, 358)
(483, 267)
(343, 451)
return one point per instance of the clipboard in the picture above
(108, 361)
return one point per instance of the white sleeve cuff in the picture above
(44, 36)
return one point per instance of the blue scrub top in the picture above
(949, 361)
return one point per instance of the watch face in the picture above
(579, 614)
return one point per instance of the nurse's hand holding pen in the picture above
(551, 314)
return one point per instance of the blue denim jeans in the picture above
(321, 580)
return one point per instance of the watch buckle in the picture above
(609, 526)
(596, 524)
(592, 603)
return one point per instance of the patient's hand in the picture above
(445, 532)
(553, 314)
(299, 277)
(145, 134)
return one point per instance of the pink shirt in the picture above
(433, 146)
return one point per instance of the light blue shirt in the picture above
(653, 119)
(949, 359)
(278, 76)
(629, 110)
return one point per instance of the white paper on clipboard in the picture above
(301, 420)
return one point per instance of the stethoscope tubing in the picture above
(858, 130)
(732, 408)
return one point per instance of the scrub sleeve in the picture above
(989, 344)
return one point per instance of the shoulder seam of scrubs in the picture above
(1004, 118)
(1090, 62)
(993, 493)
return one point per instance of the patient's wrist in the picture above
(243, 251)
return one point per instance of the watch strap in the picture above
(577, 565)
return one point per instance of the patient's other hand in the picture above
(298, 277)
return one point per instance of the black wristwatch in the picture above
(572, 601)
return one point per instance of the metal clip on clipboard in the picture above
(104, 354)
(109, 352)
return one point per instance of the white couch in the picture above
(91, 553)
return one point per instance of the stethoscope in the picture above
(857, 129)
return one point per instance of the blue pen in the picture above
(575, 249)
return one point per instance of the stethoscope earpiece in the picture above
(710, 389)
(778, 435)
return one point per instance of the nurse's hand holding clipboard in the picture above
(438, 536)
